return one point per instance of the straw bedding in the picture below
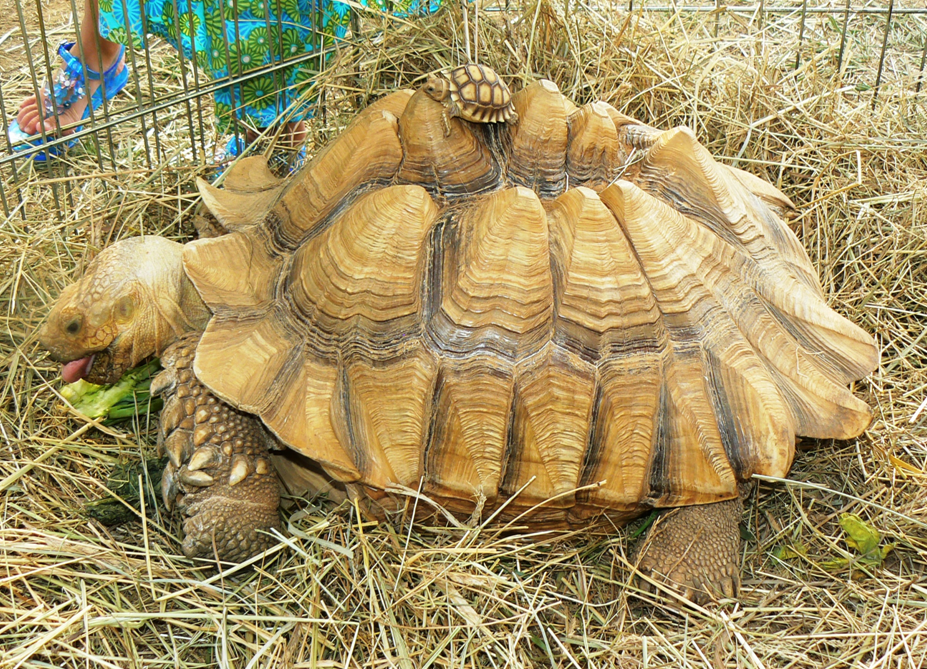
(341, 592)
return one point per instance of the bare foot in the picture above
(32, 111)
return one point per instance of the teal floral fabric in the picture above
(236, 36)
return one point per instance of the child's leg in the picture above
(89, 48)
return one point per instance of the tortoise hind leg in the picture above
(220, 474)
(695, 549)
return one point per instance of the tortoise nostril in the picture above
(73, 326)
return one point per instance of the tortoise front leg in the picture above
(220, 475)
(451, 110)
(695, 549)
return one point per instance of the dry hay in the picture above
(340, 592)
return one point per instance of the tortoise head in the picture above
(437, 88)
(133, 301)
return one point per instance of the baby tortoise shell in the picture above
(474, 93)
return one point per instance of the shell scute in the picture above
(388, 407)
(594, 154)
(603, 300)
(468, 431)
(554, 399)
(538, 153)
(469, 93)
(621, 441)
(252, 288)
(484, 94)
(349, 282)
(498, 96)
(496, 286)
(368, 152)
(476, 72)
(451, 164)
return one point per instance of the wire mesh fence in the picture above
(237, 56)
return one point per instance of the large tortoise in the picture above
(570, 318)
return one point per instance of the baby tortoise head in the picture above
(437, 88)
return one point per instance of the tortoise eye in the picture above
(73, 326)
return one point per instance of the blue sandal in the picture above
(69, 87)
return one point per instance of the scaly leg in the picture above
(696, 549)
(220, 474)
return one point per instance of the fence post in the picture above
(888, 27)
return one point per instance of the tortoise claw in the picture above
(729, 587)
(175, 446)
(204, 457)
(240, 470)
(197, 479)
(169, 487)
(165, 381)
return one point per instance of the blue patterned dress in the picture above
(237, 36)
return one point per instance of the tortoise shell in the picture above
(477, 94)
(550, 327)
